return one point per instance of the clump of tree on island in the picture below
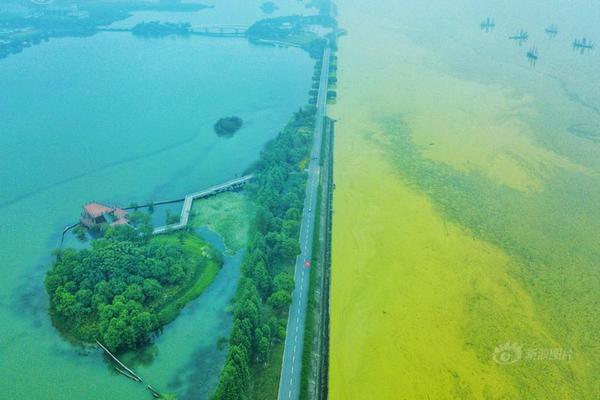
(228, 126)
(268, 7)
(159, 29)
(293, 30)
(127, 284)
(265, 291)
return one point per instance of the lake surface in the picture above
(465, 233)
(121, 119)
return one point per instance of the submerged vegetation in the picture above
(264, 293)
(228, 214)
(127, 285)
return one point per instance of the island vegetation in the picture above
(127, 284)
(268, 7)
(264, 293)
(160, 29)
(27, 23)
(228, 126)
(307, 32)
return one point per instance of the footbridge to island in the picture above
(185, 210)
(189, 199)
(227, 31)
(220, 30)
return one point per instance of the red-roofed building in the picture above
(96, 213)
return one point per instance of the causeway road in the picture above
(291, 370)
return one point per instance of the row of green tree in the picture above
(264, 294)
(113, 290)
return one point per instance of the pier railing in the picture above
(189, 199)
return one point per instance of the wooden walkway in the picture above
(220, 30)
(228, 31)
(189, 199)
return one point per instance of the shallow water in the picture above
(481, 226)
(121, 119)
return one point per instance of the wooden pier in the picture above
(127, 372)
(123, 368)
(189, 199)
(65, 231)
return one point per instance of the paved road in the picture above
(291, 371)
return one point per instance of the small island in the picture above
(128, 284)
(268, 7)
(310, 32)
(228, 126)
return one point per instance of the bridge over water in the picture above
(200, 30)
(189, 199)
(220, 30)
(187, 205)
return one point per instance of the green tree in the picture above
(280, 300)
(66, 303)
(134, 292)
(263, 344)
(229, 387)
(262, 279)
(152, 288)
(284, 281)
(264, 292)
(84, 297)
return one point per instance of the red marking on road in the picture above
(307, 263)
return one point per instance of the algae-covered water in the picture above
(120, 119)
(469, 268)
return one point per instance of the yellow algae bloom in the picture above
(463, 249)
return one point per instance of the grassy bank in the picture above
(203, 274)
(264, 383)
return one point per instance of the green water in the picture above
(116, 118)
(474, 254)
